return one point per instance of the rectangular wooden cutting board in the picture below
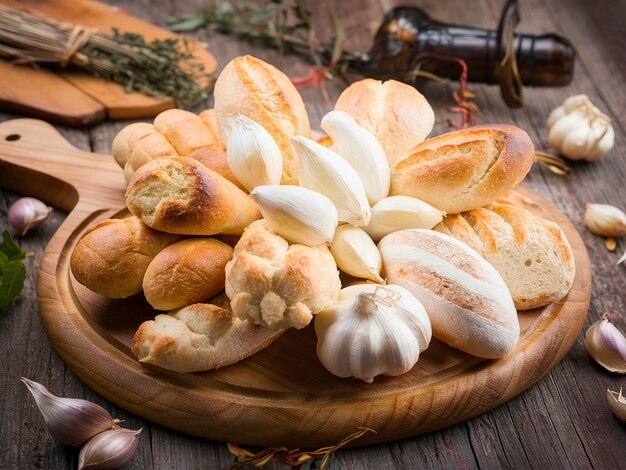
(74, 97)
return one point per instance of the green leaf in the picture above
(12, 270)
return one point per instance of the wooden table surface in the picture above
(561, 422)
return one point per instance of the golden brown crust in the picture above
(112, 257)
(180, 195)
(465, 169)
(396, 113)
(263, 93)
(185, 131)
(208, 119)
(186, 272)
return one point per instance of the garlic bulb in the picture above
(356, 254)
(362, 150)
(322, 170)
(605, 220)
(109, 449)
(372, 330)
(579, 130)
(71, 421)
(297, 214)
(607, 345)
(401, 212)
(26, 214)
(617, 403)
(252, 153)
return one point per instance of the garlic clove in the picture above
(605, 141)
(395, 213)
(605, 220)
(607, 345)
(71, 421)
(26, 214)
(109, 449)
(252, 153)
(617, 403)
(362, 150)
(356, 254)
(298, 214)
(322, 170)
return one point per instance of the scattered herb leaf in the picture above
(12, 270)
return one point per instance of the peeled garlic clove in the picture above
(356, 254)
(607, 345)
(252, 153)
(322, 170)
(26, 214)
(109, 449)
(298, 214)
(361, 150)
(401, 212)
(617, 403)
(71, 421)
(605, 220)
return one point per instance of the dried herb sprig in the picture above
(160, 68)
(12, 270)
(553, 163)
(291, 457)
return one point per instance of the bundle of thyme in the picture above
(160, 68)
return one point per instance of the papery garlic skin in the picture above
(27, 213)
(322, 170)
(356, 254)
(252, 153)
(372, 330)
(617, 403)
(579, 130)
(361, 150)
(605, 220)
(395, 213)
(607, 345)
(71, 421)
(298, 214)
(109, 449)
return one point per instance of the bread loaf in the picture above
(180, 195)
(464, 169)
(209, 120)
(185, 131)
(273, 284)
(186, 272)
(531, 253)
(397, 114)
(467, 301)
(111, 257)
(197, 338)
(263, 93)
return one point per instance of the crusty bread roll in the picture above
(467, 301)
(396, 113)
(119, 146)
(464, 169)
(263, 93)
(276, 285)
(199, 337)
(209, 120)
(111, 257)
(180, 195)
(531, 253)
(186, 272)
(185, 131)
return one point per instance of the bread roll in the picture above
(199, 337)
(119, 146)
(464, 169)
(180, 195)
(209, 120)
(111, 257)
(396, 113)
(185, 131)
(186, 272)
(215, 159)
(531, 254)
(276, 285)
(263, 93)
(467, 301)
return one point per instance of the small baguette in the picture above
(465, 169)
(112, 257)
(180, 195)
(186, 272)
(199, 337)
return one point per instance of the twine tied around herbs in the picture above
(77, 39)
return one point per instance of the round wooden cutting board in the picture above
(282, 395)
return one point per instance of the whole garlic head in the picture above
(579, 130)
(372, 330)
